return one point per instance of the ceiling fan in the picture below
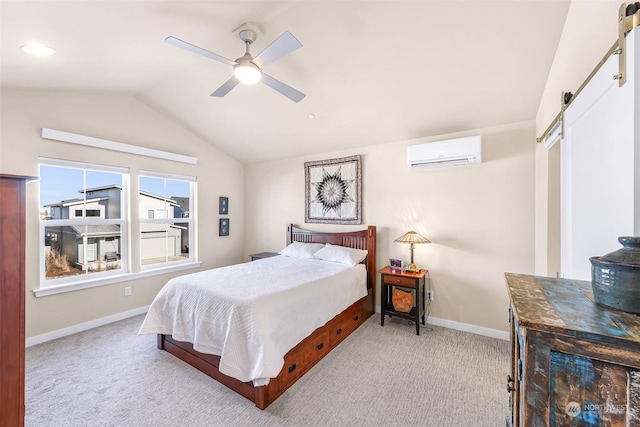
(248, 69)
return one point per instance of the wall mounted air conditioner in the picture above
(459, 151)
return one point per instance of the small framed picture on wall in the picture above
(223, 227)
(223, 208)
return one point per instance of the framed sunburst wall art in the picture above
(333, 191)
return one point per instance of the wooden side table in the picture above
(391, 278)
(262, 255)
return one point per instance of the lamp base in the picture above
(412, 268)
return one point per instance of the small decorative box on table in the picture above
(391, 278)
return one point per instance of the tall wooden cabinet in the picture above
(574, 362)
(12, 296)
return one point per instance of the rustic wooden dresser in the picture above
(573, 362)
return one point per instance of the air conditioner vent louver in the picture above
(459, 151)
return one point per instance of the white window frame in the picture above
(84, 281)
(64, 282)
(189, 219)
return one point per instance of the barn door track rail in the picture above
(628, 19)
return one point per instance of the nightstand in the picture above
(262, 255)
(391, 278)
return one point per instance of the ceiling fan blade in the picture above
(286, 90)
(195, 49)
(283, 45)
(226, 87)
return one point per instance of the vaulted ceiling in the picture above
(373, 71)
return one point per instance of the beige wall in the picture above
(479, 217)
(481, 223)
(123, 119)
(590, 30)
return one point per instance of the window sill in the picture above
(70, 287)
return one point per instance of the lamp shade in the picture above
(412, 237)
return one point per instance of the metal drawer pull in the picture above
(509, 388)
(292, 368)
(339, 331)
(320, 346)
(356, 317)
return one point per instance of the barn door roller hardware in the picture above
(628, 19)
(556, 128)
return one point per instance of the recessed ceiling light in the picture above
(311, 116)
(38, 49)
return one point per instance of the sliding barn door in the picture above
(600, 166)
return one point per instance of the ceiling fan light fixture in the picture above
(247, 72)
(37, 49)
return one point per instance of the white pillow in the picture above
(301, 250)
(341, 254)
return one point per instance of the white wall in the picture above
(123, 119)
(480, 217)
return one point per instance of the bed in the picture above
(270, 373)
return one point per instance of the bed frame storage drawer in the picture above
(344, 324)
(299, 361)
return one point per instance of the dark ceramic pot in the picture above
(615, 277)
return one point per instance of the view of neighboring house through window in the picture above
(166, 228)
(85, 229)
(85, 224)
(82, 220)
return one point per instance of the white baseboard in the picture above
(465, 327)
(39, 339)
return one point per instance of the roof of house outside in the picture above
(71, 202)
(155, 196)
(81, 201)
(97, 229)
(104, 187)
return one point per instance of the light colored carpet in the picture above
(379, 376)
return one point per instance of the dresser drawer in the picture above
(399, 281)
(300, 361)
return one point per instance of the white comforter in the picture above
(252, 314)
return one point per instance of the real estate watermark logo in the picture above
(573, 409)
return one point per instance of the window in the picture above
(82, 220)
(84, 225)
(166, 229)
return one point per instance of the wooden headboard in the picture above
(361, 239)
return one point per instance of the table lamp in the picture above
(412, 237)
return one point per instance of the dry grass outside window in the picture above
(56, 264)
